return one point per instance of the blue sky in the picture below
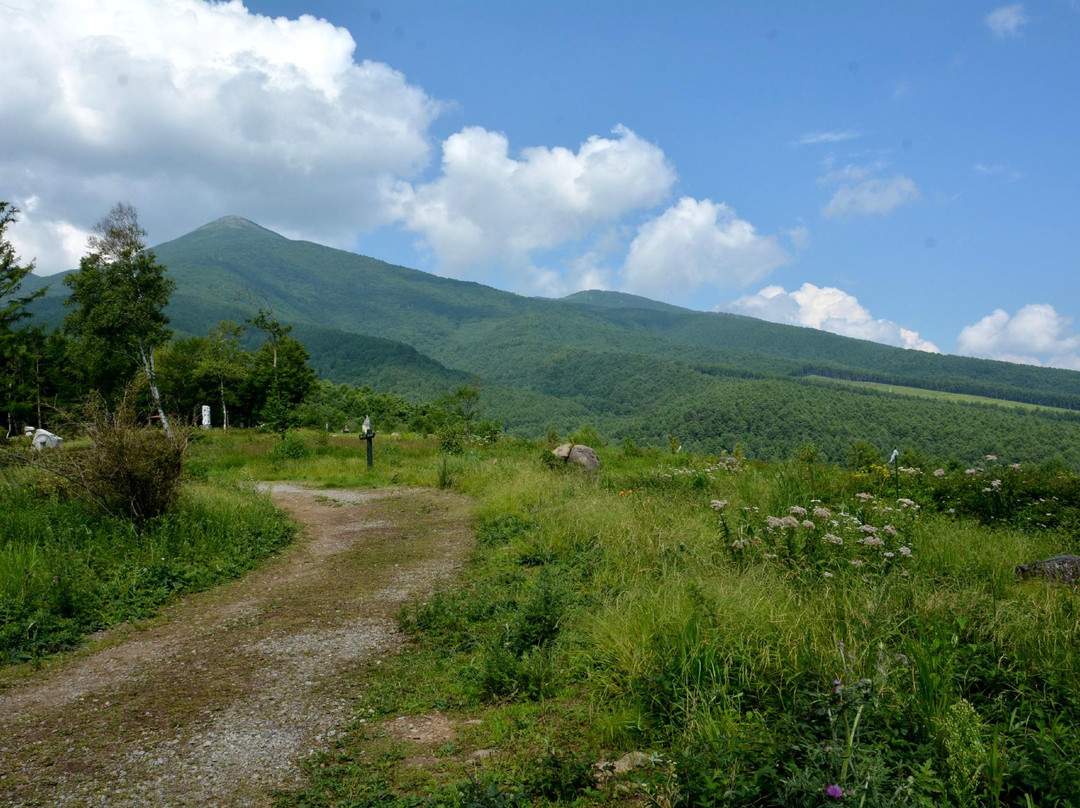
(906, 172)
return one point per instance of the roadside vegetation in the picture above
(750, 633)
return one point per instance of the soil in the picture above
(219, 700)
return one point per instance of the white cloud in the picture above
(698, 243)
(872, 195)
(799, 237)
(183, 107)
(491, 209)
(813, 138)
(52, 243)
(1006, 21)
(828, 309)
(1035, 335)
(999, 171)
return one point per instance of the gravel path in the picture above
(217, 701)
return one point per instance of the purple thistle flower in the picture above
(835, 791)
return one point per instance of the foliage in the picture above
(64, 572)
(21, 349)
(117, 302)
(130, 471)
(291, 447)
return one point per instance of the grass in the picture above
(939, 395)
(819, 629)
(65, 572)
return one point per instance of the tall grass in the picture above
(65, 572)
(768, 663)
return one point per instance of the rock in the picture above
(1063, 568)
(482, 754)
(45, 440)
(576, 453)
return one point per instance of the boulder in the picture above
(576, 453)
(45, 440)
(1062, 568)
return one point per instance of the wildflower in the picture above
(739, 544)
(772, 521)
(808, 524)
(795, 510)
(868, 529)
(872, 541)
(835, 792)
(888, 555)
(995, 484)
(991, 458)
(890, 531)
(904, 502)
(827, 574)
(1014, 466)
(939, 472)
(970, 471)
(789, 522)
(856, 562)
(829, 537)
(821, 513)
(622, 493)
(770, 556)
(905, 550)
(987, 490)
(864, 496)
(718, 504)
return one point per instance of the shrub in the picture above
(290, 447)
(131, 471)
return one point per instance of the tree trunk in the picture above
(224, 411)
(147, 358)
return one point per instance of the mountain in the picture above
(630, 365)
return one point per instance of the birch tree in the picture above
(118, 298)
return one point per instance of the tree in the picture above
(118, 300)
(226, 363)
(20, 359)
(462, 405)
(280, 376)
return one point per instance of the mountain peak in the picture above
(233, 222)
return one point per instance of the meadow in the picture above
(789, 633)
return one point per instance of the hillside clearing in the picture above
(937, 395)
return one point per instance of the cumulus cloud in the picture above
(184, 107)
(1036, 335)
(489, 208)
(698, 243)
(49, 241)
(1006, 21)
(828, 309)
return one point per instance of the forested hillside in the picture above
(630, 366)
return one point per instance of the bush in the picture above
(131, 471)
(290, 447)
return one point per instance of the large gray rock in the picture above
(576, 453)
(1063, 568)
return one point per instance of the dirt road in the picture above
(217, 701)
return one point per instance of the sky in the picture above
(905, 172)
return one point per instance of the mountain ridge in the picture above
(619, 360)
